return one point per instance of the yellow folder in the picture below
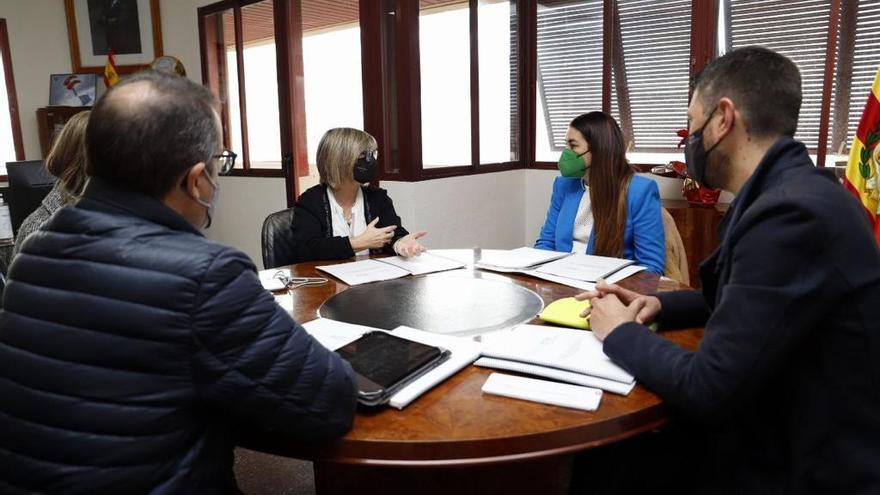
(566, 312)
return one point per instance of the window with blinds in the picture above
(650, 71)
(797, 29)
(569, 67)
(654, 71)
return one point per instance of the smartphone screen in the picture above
(385, 359)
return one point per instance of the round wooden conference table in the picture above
(455, 439)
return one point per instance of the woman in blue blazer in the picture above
(599, 206)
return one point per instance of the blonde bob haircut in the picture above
(67, 158)
(337, 152)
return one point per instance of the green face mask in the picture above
(571, 164)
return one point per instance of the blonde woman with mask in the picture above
(344, 216)
(66, 162)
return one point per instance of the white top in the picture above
(352, 226)
(583, 224)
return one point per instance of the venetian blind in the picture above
(797, 29)
(656, 57)
(569, 64)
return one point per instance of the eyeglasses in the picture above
(226, 160)
(371, 153)
(297, 282)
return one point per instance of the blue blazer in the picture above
(643, 239)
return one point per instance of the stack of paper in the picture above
(584, 267)
(463, 351)
(580, 271)
(374, 270)
(573, 356)
(516, 259)
(583, 284)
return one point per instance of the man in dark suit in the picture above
(787, 377)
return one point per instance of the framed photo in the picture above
(72, 90)
(131, 27)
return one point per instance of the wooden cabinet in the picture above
(698, 226)
(50, 120)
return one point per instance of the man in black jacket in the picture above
(787, 376)
(130, 346)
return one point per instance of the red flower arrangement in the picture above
(694, 193)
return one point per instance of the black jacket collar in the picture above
(785, 156)
(105, 196)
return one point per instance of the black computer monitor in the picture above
(29, 183)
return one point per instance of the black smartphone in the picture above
(384, 363)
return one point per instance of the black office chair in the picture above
(279, 247)
(29, 183)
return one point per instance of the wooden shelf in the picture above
(50, 120)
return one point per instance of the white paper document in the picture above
(334, 334)
(463, 256)
(515, 259)
(584, 267)
(563, 348)
(422, 264)
(557, 394)
(463, 351)
(365, 271)
(612, 386)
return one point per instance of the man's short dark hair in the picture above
(764, 85)
(146, 137)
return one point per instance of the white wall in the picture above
(40, 47)
(244, 203)
(479, 210)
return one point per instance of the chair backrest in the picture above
(676, 258)
(29, 183)
(277, 240)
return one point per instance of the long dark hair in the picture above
(609, 179)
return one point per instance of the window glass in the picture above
(332, 70)
(444, 44)
(496, 34)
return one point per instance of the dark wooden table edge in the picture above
(328, 452)
(503, 459)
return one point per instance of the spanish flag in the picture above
(863, 169)
(111, 77)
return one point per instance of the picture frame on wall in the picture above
(72, 90)
(132, 28)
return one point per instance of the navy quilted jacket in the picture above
(131, 347)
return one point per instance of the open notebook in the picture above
(580, 271)
(374, 270)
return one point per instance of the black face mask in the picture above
(365, 169)
(696, 155)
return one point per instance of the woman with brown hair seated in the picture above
(599, 206)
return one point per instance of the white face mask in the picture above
(212, 206)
